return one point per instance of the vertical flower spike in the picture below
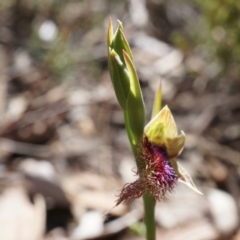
(158, 144)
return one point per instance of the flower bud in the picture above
(125, 82)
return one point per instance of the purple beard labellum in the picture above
(156, 174)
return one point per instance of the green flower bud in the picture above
(125, 82)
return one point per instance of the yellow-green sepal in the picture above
(161, 127)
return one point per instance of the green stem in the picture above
(130, 137)
(149, 206)
(149, 201)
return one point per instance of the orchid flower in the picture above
(155, 146)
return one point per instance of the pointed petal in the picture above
(186, 179)
(175, 145)
(157, 100)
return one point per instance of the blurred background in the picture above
(64, 153)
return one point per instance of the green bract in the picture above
(125, 82)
